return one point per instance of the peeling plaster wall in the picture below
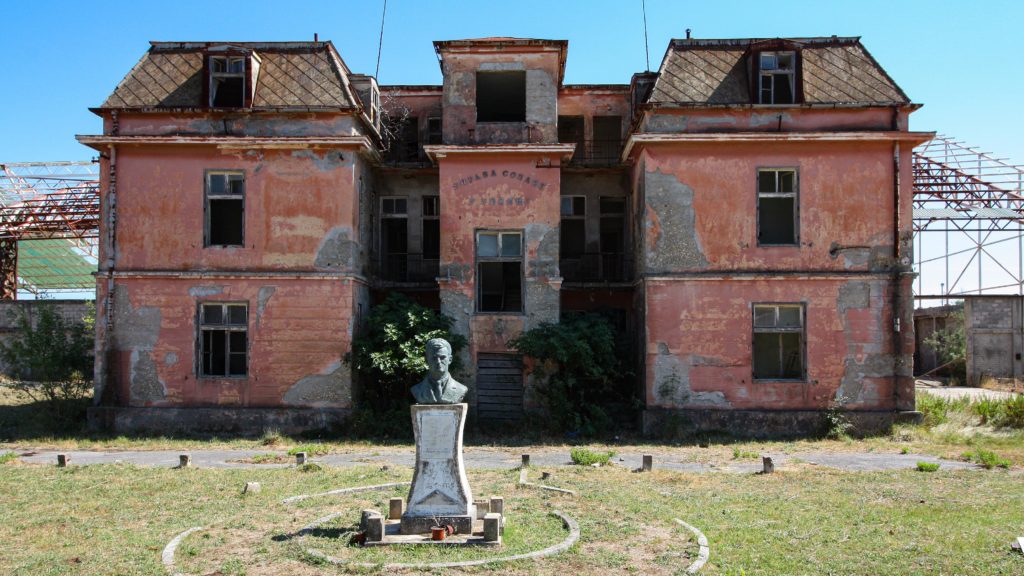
(298, 332)
(459, 98)
(698, 120)
(221, 124)
(701, 204)
(300, 208)
(700, 339)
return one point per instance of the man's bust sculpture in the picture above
(438, 387)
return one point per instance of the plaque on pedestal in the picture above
(440, 492)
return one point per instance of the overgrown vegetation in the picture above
(310, 449)
(950, 345)
(51, 360)
(581, 367)
(6, 457)
(585, 456)
(927, 466)
(986, 459)
(390, 359)
(999, 413)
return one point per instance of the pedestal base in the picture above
(422, 524)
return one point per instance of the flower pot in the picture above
(438, 533)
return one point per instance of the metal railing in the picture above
(597, 152)
(597, 268)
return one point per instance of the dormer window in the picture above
(227, 81)
(777, 78)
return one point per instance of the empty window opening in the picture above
(403, 139)
(434, 130)
(223, 339)
(573, 237)
(225, 209)
(501, 96)
(227, 82)
(431, 228)
(777, 207)
(607, 138)
(777, 78)
(613, 239)
(778, 341)
(570, 131)
(499, 271)
(394, 237)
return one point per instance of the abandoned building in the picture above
(743, 215)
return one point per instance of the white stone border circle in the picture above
(702, 541)
(167, 557)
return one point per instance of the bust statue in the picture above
(438, 386)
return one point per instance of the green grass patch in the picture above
(586, 457)
(6, 457)
(740, 454)
(315, 449)
(927, 466)
(986, 459)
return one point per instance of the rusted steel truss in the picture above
(968, 221)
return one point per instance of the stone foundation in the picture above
(235, 421)
(764, 423)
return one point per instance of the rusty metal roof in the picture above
(291, 74)
(835, 70)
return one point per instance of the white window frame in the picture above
(502, 237)
(227, 61)
(767, 73)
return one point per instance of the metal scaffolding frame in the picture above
(49, 226)
(968, 221)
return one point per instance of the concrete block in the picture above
(497, 505)
(364, 518)
(63, 460)
(483, 507)
(184, 461)
(768, 466)
(300, 458)
(492, 527)
(526, 460)
(396, 506)
(251, 488)
(375, 528)
(648, 463)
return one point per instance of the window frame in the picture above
(801, 330)
(202, 327)
(520, 259)
(428, 199)
(207, 196)
(214, 76)
(764, 73)
(795, 195)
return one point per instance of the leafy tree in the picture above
(390, 357)
(950, 345)
(581, 365)
(52, 359)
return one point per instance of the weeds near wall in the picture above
(51, 359)
(995, 412)
(950, 345)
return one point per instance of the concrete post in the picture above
(526, 460)
(375, 528)
(492, 527)
(300, 458)
(768, 466)
(395, 508)
(63, 460)
(497, 505)
(184, 461)
(648, 463)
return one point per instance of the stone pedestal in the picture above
(440, 492)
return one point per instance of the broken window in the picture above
(777, 207)
(499, 271)
(394, 237)
(613, 238)
(431, 227)
(501, 96)
(223, 339)
(607, 139)
(777, 77)
(227, 82)
(779, 341)
(225, 208)
(403, 139)
(434, 130)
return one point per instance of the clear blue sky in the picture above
(960, 59)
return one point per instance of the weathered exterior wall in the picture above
(542, 79)
(758, 119)
(298, 332)
(71, 311)
(994, 332)
(234, 124)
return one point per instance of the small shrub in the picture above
(837, 423)
(927, 466)
(271, 437)
(586, 457)
(309, 467)
(738, 454)
(310, 450)
(8, 457)
(1011, 414)
(935, 410)
(990, 460)
(904, 450)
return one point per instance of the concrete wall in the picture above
(10, 311)
(994, 332)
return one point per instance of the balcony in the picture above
(597, 153)
(597, 268)
(408, 268)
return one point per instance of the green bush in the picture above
(310, 450)
(989, 459)
(52, 360)
(927, 466)
(580, 364)
(6, 457)
(389, 357)
(586, 457)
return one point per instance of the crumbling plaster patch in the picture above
(337, 250)
(136, 330)
(545, 263)
(145, 385)
(852, 388)
(672, 381)
(325, 161)
(262, 297)
(672, 243)
(205, 291)
(540, 97)
(332, 387)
